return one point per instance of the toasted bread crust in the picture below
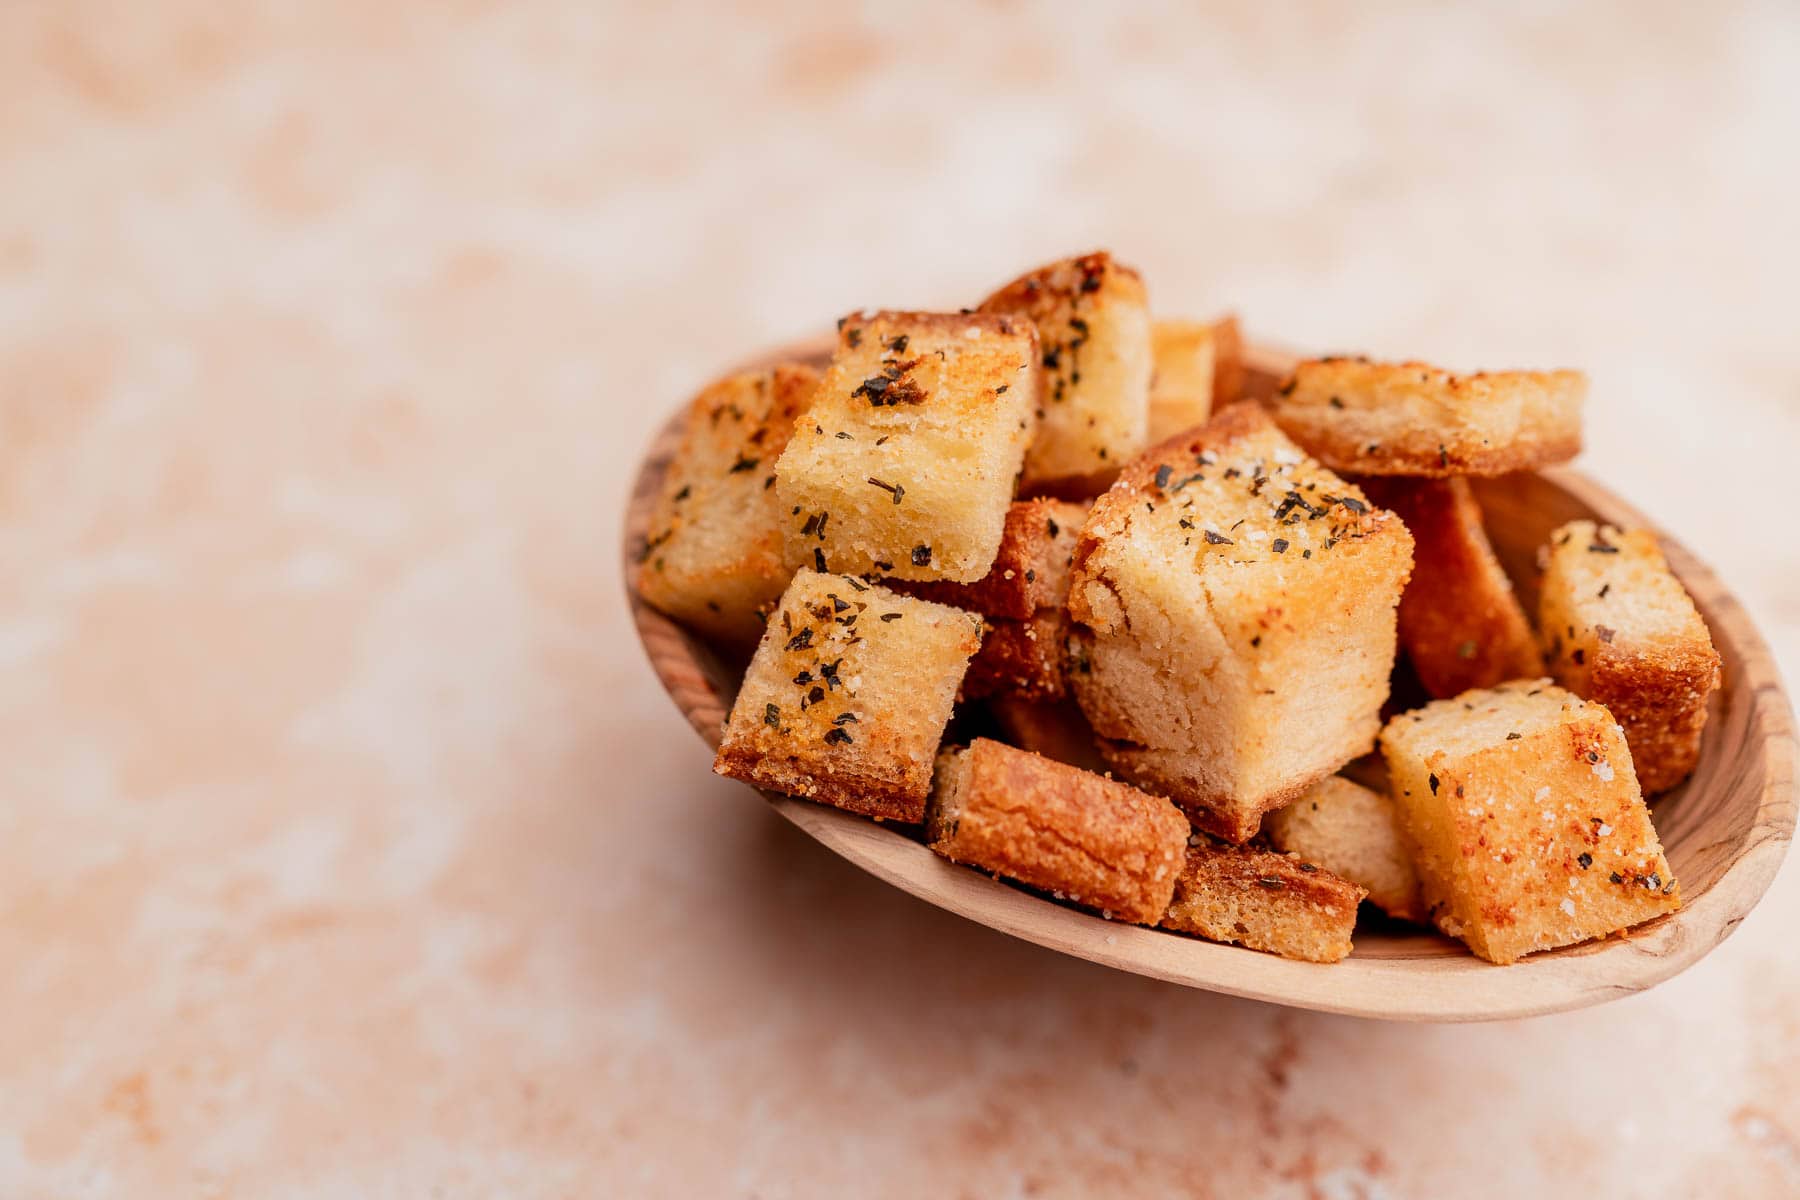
(1021, 658)
(1411, 418)
(1460, 623)
(1031, 570)
(898, 797)
(1267, 901)
(1096, 842)
(1619, 629)
(1237, 820)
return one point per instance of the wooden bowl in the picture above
(1725, 831)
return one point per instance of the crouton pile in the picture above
(1039, 584)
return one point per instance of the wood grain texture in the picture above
(1725, 831)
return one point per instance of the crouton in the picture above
(1233, 630)
(1181, 388)
(1031, 569)
(1023, 658)
(1460, 623)
(1413, 419)
(1228, 362)
(848, 695)
(1267, 901)
(1093, 320)
(1353, 832)
(908, 458)
(1620, 630)
(1053, 729)
(1524, 814)
(1057, 828)
(713, 559)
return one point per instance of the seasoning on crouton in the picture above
(848, 695)
(1093, 320)
(1413, 419)
(1264, 900)
(907, 460)
(1460, 623)
(1353, 832)
(1076, 835)
(713, 559)
(1233, 627)
(1031, 569)
(1524, 813)
(1621, 630)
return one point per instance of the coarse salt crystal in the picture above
(1543, 793)
(1604, 771)
(1604, 829)
(1568, 906)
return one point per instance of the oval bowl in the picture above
(1725, 830)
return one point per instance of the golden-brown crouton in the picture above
(1057, 828)
(1524, 814)
(907, 460)
(1621, 630)
(1264, 900)
(1093, 321)
(848, 695)
(1460, 623)
(1228, 362)
(714, 558)
(1031, 569)
(1413, 419)
(1181, 388)
(1023, 658)
(1233, 620)
(1353, 832)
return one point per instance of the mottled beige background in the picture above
(346, 844)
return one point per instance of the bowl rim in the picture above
(1434, 985)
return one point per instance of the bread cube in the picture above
(1620, 630)
(1228, 362)
(1093, 320)
(1410, 418)
(1054, 729)
(1181, 386)
(1199, 365)
(1353, 832)
(910, 454)
(1460, 623)
(1524, 814)
(848, 695)
(1023, 658)
(1031, 569)
(714, 559)
(1264, 900)
(1057, 828)
(1232, 610)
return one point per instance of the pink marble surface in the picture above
(347, 846)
